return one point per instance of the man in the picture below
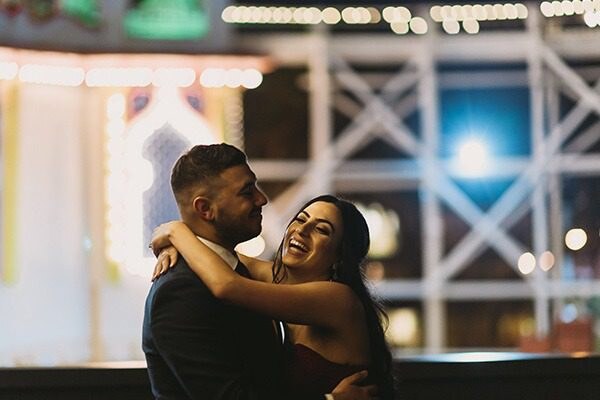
(196, 346)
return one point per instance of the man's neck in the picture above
(210, 234)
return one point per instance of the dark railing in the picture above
(457, 376)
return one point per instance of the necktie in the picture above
(241, 269)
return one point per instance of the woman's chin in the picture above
(291, 261)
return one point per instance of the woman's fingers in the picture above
(166, 259)
(164, 264)
(355, 378)
(171, 254)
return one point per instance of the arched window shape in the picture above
(140, 161)
(161, 149)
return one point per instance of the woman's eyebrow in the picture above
(319, 220)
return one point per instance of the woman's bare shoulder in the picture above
(260, 270)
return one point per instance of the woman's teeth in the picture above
(297, 244)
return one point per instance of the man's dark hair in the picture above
(203, 162)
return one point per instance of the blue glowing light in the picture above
(473, 158)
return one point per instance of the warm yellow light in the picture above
(400, 28)
(568, 8)
(478, 12)
(298, 15)
(522, 11)
(119, 77)
(546, 260)
(178, 77)
(349, 15)
(575, 239)
(435, 13)
(312, 15)
(331, 16)
(212, 77)
(374, 15)
(558, 10)
(403, 327)
(251, 78)
(448, 13)
(115, 127)
(51, 75)
(547, 9)
(490, 12)
(375, 271)
(246, 14)
(592, 19)
(396, 14)
(267, 15)
(8, 70)
(467, 12)
(511, 11)
(451, 26)
(228, 13)
(457, 12)
(418, 25)
(500, 12)
(578, 7)
(471, 26)
(526, 263)
(115, 106)
(286, 15)
(384, 227)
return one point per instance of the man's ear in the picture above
(203, 208)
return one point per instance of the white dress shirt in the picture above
(230, 258)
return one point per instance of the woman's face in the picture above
(312, 240)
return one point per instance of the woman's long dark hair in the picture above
(354, 248)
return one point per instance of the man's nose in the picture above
(261, 198)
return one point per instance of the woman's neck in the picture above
(294, 276)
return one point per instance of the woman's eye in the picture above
(323, 231)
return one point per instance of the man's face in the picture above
(238, 206)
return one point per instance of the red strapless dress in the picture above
(310, 375)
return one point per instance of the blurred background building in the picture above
(468, 134)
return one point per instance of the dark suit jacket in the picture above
(198, 347)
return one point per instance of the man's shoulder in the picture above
(179, 276)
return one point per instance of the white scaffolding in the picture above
(537, 187)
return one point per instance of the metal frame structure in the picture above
(544, 48)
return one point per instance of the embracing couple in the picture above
(211, 325)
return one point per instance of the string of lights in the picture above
(452, 18)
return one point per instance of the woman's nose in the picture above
(301, 230)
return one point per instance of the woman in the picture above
(315, 285)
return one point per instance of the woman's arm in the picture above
(326, 304)
(260, 270)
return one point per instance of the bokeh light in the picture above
(575, 239)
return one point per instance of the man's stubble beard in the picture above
(232, 232)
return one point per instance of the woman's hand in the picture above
(161, 236)
(166, 259)
(349, 388)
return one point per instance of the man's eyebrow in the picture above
(319, 219)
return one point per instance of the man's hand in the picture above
(349, 388)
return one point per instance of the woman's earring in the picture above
(334, 272)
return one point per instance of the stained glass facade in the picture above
(162, 149)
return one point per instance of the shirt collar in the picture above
(230, 258)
